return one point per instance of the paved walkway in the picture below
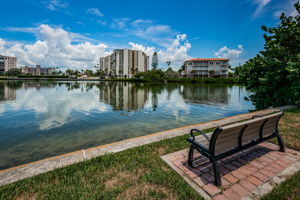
(24, 171)
(245, 175)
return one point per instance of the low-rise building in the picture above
(38, 70)
(124, 63)
(7, 63)
(205, 67)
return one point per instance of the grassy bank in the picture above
(137, 173)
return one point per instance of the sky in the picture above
(75, 34)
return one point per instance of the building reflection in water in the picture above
(7, 93)
(205, 94)
(127, 96)
(124, 96)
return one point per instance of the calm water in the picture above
(43, 119)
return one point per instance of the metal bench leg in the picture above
(280, 142)
(217, 173)
(191, 156)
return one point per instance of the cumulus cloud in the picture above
(176, 52)
(232, 54)
(55, 47)
(95, 11)
(148, 50)
(261, 4)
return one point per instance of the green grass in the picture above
(289, 189)
(137, 173)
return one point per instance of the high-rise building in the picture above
(124, 63)
(202, 67)
(154, 63)
(7, 63)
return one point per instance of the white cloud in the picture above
(159, 34)
(141, 21)
(288, 9)
(176, 52)
(120, 23)
(55, 4)
(21, 29)
(148, 50)
(261, 4)
(232, 54)
(95, 11)
(56, 47)
(103, 23)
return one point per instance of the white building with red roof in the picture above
(205, 67)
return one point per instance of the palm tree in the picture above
(168, 64)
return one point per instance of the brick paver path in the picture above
(241, 173)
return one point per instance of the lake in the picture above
(43, 119)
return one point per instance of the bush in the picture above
(13, 72)
(274, 74)
(42, 76)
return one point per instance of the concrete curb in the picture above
(31, 169)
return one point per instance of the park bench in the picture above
(230, 139)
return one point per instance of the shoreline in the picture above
(174, 80)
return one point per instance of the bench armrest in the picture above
(202, 132)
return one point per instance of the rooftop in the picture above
(207, 59)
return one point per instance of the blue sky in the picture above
(74, 34)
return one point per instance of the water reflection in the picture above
(204, 94)
(123, 95)
(42, 119)
(7, 93)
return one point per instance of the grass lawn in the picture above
(137, 173)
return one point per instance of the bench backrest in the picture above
(236, 135)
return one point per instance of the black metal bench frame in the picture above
(210, 153)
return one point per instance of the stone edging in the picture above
(276, 180)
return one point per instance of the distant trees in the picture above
(171, 74)
(153, 75)
(13, 72)
(274, 74)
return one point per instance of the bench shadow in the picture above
(204, 170)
